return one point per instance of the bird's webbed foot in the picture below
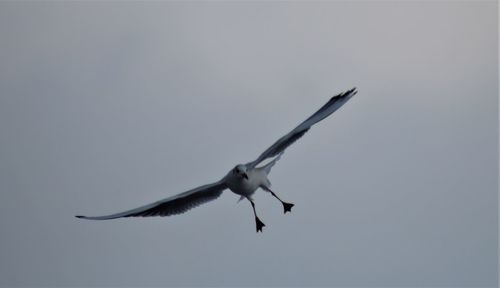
(259, 224)
(287, 207)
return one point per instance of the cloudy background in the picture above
(107, 106)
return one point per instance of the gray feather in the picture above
(326, 110)
(177, 204)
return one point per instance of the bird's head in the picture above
(240, 170)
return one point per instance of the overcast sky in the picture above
(108, 106)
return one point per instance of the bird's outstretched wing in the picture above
(279, 146)
(177, 204)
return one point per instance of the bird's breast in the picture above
(242, 186)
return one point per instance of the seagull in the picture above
(243, 179)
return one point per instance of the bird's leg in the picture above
(287, 207)
(259, 224)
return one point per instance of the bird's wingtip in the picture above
(354, 91)
(80, 216)
(346, 94)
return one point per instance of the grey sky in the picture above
(108, 106)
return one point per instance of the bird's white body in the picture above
(243, 179)
(257, 178)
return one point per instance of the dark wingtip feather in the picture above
(350, 93)
(80, 216)
(353, 91)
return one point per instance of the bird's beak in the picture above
(245, 176)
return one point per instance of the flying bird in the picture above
(243, 179)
